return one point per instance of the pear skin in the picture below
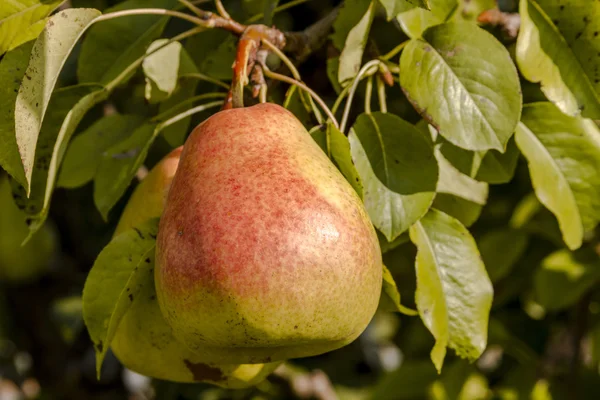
(264, 252)
(144, 342)
(21, 264)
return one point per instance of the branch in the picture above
(247, 50)
(301, 44)
(212, 20)
(509, 22)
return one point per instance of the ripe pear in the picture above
(264, 251)
(22, 263)
(144, 342)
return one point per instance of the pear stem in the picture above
(368, 94)
(262, 95)
(274, 75)
(381, 95)
(366, 70)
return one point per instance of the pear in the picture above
(143, 341)
(264, 251)
(22, 263)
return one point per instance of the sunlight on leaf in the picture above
(558, 45)
(475, 106)
(48, 56)
(563, 154)
(397, 168)
(454, 293)
(114, 282)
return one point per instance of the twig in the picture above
(291, 81)
(366, 70)
(212, 20)
(283, 58)
(394, 51)
(221, 10)
(155, 11)
(192, 8)
(186, 114)
(203, 77)
(302, 44)
(283, 7)
(204, 96)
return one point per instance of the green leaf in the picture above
(218, 65)
(464, 196)
(84, 154)
(112, 45)
(67, 107)
(486, 166)
(48, 56)
(333, 65)
(408, 382)
(416, 20)
(500, 250)
(119, 165)
(392, 295)
(389, 246)
(563, 154)
(337, 147)
(295, 102)
(466, 211)
(563, 277)
(397, 168)
(532, 217)
(558, 46)
(176, 133)
(114, 281)
(348, 17)
(12, 70)
(475, 106)
(213, 51)
(354, 46)
(471, 9)
(395, 7)
(460, 381)
(454, 293)
(22, 21)
(500, 335)
(161, 69)
(269, 11)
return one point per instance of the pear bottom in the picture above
(144, 343)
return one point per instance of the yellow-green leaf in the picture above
(454, 293)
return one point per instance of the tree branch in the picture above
(301, 44)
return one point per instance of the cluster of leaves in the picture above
(480, 171)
